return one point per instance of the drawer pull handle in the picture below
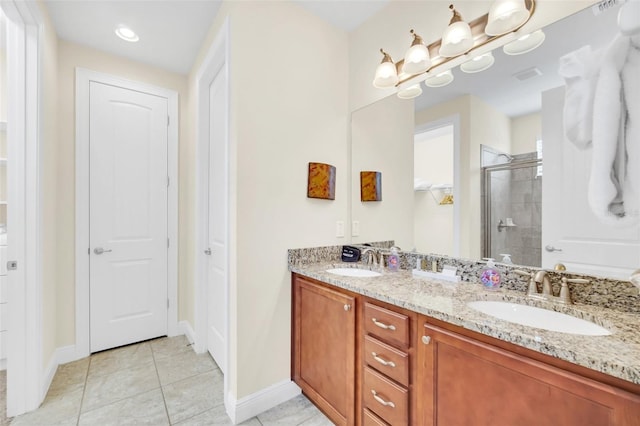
(426, 340)
(383, 361)
(383, 325)
(347, 307)
(382, 401)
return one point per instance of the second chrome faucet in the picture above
(542, 278)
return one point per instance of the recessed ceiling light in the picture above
(127, 34)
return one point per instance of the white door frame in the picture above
(451, 120)
(216, 60)
(83, 78)
(25, 379)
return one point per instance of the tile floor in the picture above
(159, 382)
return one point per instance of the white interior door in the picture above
(128, 216)
(217, 222)
(571, 233)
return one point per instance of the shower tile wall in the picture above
(525, 240)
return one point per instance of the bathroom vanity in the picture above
(399, 350)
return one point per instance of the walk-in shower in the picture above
(512, 210)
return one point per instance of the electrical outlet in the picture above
(355, 228)
(340, 229)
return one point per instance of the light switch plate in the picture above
(340, 229)
(355, 228)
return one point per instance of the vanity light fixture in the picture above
(417, 59)
(524, 44)
(410, 92)
(506, 16)
(127, 34)
(457, 38)
(478, 63)
(439, 80)
(386, 73)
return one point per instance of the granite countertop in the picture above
(617, 354)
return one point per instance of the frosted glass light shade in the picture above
(478, 63)
(439, 80)
(456, 40)
(410, 92)
(506, 16)
(386, 76)
(416, 60)
(524, 44)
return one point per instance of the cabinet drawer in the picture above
(387, 360)
(370, 419)
(386, 324)
(386, 399)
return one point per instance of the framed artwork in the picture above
(370, 186)
(322, 181)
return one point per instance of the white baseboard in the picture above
(184, 327)
(67, 354)
(261, 401)
(47, 375)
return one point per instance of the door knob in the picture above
(552, 248)
(207, 251)
(100, 250)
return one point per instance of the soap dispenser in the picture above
(394, 260)
(490, 276)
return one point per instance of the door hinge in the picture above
(167, 243)
(168, 181)
(167, 303)
(12, 265)
(168, 121)
(89, 250)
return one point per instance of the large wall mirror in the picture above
(494, 164)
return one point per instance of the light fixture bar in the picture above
(480, 38)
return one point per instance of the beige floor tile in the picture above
(318, 419)
(169, 346)
(145, 409)
(182, 365)
(69, 377)
(293, 412)
(54, 411)
(193, 396)
(114, 360)
(217, 416)
(103, 390)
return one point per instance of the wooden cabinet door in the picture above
(324, 348)
(467, 382)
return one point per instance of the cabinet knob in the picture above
(347, 307)
(426, 339)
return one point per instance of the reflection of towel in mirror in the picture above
(580, 71)
(614, 183)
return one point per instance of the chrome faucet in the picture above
(372, 259)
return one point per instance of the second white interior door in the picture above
(128, 216)
(217, 221)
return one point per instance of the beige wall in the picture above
(50, 190)
(389, 29)
(382, 140)
(289, 106)
(433, 223)
(71, 56)
(525, 131)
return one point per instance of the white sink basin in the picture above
(539, 318)
(354, 272)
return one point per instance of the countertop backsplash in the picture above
(604, 292)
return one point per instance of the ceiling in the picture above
(171, 31)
